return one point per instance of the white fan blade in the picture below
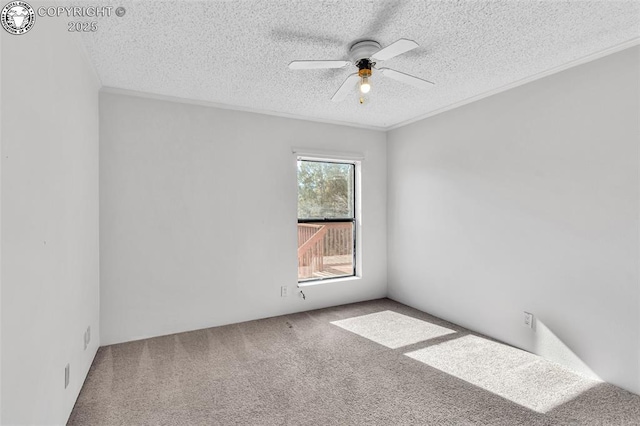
(406, 78)
(346, 87)
(314, 65)
(394, 49)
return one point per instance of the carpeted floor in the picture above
(370, 363)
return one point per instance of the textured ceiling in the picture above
(237, 52)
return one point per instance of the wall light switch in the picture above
(66, 375)
(87, 337)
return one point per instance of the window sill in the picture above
(327, 281)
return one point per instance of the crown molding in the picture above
(155, 96)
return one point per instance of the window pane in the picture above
(325, 190)
(325, 250)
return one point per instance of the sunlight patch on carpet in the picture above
(392, 329)
(519, 376)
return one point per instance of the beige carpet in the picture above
(371, 363)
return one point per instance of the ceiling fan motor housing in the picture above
(363, 50)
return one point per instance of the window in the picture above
(326, 219)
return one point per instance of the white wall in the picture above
(198, 216)
(528, 200)
(49, 198)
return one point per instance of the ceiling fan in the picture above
(365, 55)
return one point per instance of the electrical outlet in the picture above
(66, 375)
(528, 320)
(283, 291)
(87, 337)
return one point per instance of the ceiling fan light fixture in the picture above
(365, 74)
(365, 85)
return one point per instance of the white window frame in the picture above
(348, 158)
